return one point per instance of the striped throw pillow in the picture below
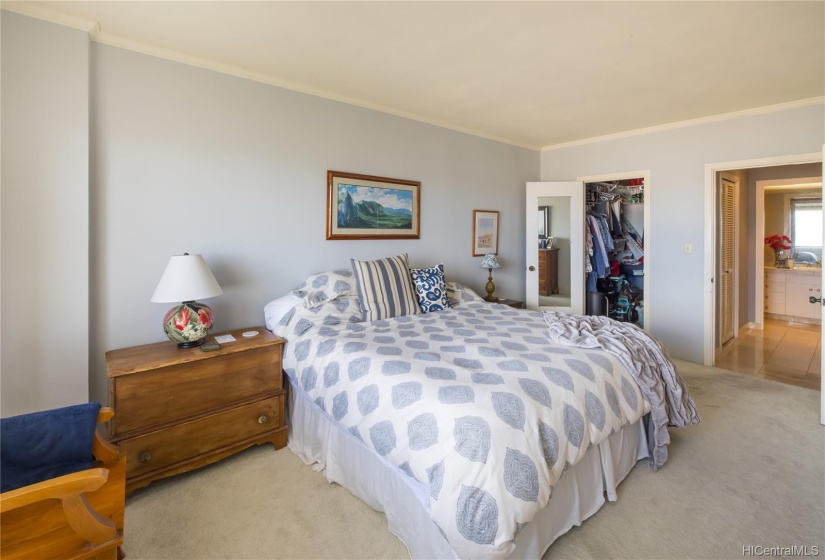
(385, 288)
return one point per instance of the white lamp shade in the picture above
(186, 278)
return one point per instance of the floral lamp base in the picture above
(188, 324)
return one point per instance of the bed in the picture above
(474, 433)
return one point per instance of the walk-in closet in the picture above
(614, 241)
(589, 239)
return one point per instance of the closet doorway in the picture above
(573, 223)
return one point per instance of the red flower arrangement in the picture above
(778, 242)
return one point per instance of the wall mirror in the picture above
(544, 222)
(806, 229)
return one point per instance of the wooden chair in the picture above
(76, 516)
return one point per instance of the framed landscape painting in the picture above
(485, 232)
(367, 207)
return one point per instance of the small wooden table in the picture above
(180, 409)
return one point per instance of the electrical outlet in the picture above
(688, 248)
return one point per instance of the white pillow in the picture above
(320, 288)
(459, 293)
(276, 309)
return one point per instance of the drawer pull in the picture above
(263, 419)
(145, 457)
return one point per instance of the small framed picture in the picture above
(485, 232)
(368, 207)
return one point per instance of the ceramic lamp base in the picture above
(188, 324)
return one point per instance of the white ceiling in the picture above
(532, 74)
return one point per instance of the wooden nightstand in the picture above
(180, 409)
(511, 302)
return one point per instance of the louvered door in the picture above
(727, 258)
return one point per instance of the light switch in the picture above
(688, 248)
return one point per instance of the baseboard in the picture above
(793, 319)
(753, 326)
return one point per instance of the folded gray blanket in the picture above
(645, 359)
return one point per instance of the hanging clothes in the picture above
(591, 282)
(606, 237)
(588, 243)
(601, 259)
(616, 218)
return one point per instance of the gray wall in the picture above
(45, 214)
(775, 222)
(676, 159)
(45, 328)
(185, 159)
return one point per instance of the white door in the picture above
(822, 317)
(555, 276)
(727, 253)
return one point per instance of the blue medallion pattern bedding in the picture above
(474, 402)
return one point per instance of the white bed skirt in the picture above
(317, 439)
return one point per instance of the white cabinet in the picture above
(775, 303)
(775, 292)
(787, 292)
(797, 302)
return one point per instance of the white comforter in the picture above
(474, 402)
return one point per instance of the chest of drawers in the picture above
(179, 409)
(548, 272)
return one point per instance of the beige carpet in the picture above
(753, 473)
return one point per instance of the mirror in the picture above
(554, 251)
(544, 221)
(806, 230)
(796, 212)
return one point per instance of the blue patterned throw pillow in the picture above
(430, 288)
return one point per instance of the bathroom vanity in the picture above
(787, 293)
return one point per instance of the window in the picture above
(806, 227)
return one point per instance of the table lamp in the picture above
(186, 279)
(490, 262)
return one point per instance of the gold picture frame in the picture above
(485, 232)
(370, 207)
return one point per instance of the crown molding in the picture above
(96, 34)
(35, 10)
(691, 122)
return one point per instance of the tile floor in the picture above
(783, 351)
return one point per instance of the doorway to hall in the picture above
(768, 257)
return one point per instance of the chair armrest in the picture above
(104, 451)
(62, 487)
(71, 490)
(105, 414)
